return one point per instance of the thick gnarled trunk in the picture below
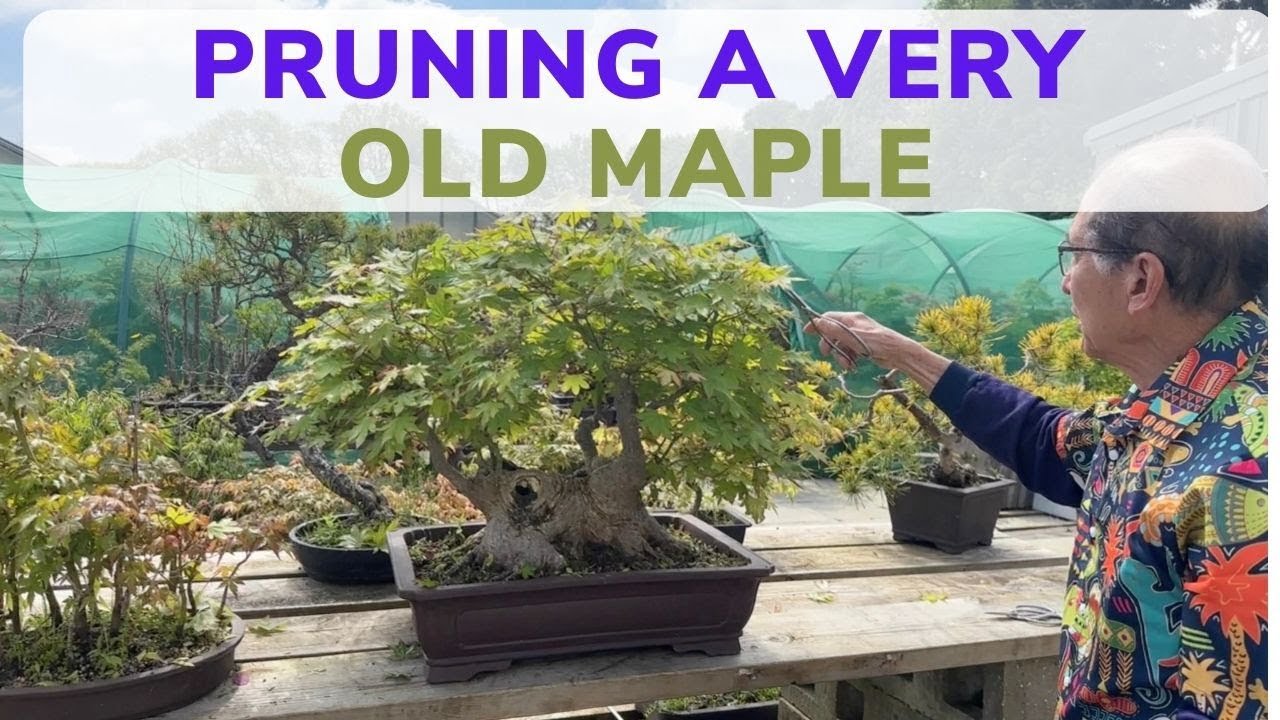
(538, 521)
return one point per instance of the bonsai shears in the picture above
(807, 310)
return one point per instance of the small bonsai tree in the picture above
(81, 508)
(900, 428)
(450, 353)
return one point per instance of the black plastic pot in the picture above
(750, 711)
(951, 519)
(128, 698)
(565, 401)
(735, 528)
(464, 630)
(339, 565)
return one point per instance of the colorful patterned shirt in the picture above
(1166, 605)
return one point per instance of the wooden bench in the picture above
(846, 603)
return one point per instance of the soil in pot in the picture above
(740, 705)
(158, 672)
(436, 560)
(471, 620)
(729, 521)
(340, 549)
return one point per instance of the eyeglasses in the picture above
(1067, 257)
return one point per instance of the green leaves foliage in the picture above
(890, 441)
(82, 507)
(466, 338)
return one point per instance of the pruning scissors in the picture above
(1034, 614)
(808, 311)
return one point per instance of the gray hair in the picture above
(1195, 200)
(1212, 261)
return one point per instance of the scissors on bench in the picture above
(1034, 614)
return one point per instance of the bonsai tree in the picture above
(238, 283)
(448, 354)
(900, 429)
(81, 508)
(274, 500)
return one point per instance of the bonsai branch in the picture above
(495, 457)
(631, 462)
(667, 445)
(889, 387)
(671, 398)
(950, 466)
(442, 463)
(583, 435)
(366, 498)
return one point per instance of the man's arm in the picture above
(1020, 431)
(1049, 448)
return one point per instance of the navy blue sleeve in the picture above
(1018, 429)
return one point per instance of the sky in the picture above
(15, 14)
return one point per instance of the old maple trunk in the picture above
(537, 520)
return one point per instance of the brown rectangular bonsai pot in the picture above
(467, 629)
(951, 519)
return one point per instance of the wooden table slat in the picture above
(265, 565)
(282, 597)
(805, 644)
(331, 658)
(349, 632)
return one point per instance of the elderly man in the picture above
(1166, 604)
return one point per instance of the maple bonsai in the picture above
(448, 353)
(103, 609)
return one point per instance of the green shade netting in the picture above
(99, 267)
(843, 255)
(858, 256)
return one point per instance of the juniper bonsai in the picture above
(900, 428)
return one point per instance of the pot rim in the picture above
(170, 669)
(740, 517)
(992, 483)
(296, 539)
(408, 588)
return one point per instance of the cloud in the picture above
(782, 5)
(9, 92)
(23, 10)
(11, 122)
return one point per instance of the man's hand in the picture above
(857, 335)
(834, 328)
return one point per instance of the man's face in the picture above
(1097, 299)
